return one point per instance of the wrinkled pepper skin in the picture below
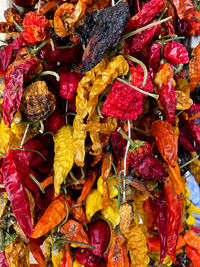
(154, 55)
(15, 169)
(193, 255)
(176, 53)
(164, 82)
(3, 261)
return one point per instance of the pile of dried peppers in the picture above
(100, 134)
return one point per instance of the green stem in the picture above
(35, 151)
(190, 161)
(125, 36)
(18, 10)
(167, 36)
(2, 154)
(137, 61)
(179, 113)
(110, 177)
(172, 39)
(49, 132)
(71, 113)
(139, 130)
(49, 72)
(37, 183)
(196, 18)
(67, 215)
(126, 136)
(179, 68)
(41, 127)
(119, 188)
(73, 177)
(2, 186)
(115, 169)
(163, 13)
(69, 184)
(37, 50)
(18, 27)
(82, 173)
(138, 89)
(77, 205)
(62, 241)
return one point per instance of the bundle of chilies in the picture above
(100, 134)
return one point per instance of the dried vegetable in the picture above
(100, 134)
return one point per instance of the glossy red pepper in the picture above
(184, 8)
(99, 234)
(192, 128)
(87, 258)
(142, 39)
(55, 122)
(22, 3)
(186, 140)
(68, 84)
(174, 215)
(192, 26)
(15, 169)
(193, 255)
(158, 205)
(3, 261)
(154, 55)
(146, 14)
(176, 53)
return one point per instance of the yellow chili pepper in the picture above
(112, 186)
(76, 264)
(191, 207)
(64, 156)
(112, 212)
(57, 257)
(191, 220)
(93, 203)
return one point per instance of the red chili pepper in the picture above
(67, 55)
(184, 8)
(148, 210)
(192, 128)
(176, 53)
(36, 28)
(86, 258)
(3, 261)
(142, 39)
(153, 243)
(174, 214)
(193, 25)
(146, 14)
(158, 206)
(164, 82)
(154, 55)
(37, 251)
(22, 3)
(193, 255)
(187, 141)
(99, 234)
(118, 143)
(168, 25)
(55, 122)
(21, 69)
(68, 84)
(193, 109)
(15, 169)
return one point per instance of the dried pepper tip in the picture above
(38, 103)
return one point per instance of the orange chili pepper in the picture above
(37, 252)
(47, 181)
(117, 255)
(193, 255)
(78, 233)
(192, 239)
(78, 213)
(147, 209)
(195, 116)
(181, 242)
(53, 215)
(96, 160)
(175, 177)
(68, 257)
(88, 185)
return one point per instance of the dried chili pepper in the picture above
(193, 255)
(187, 141)
(192, 128)
(23, 3)
(14, 79)
(67, 261)
(93, 203)
(68, 84)
(15, 169)
(53, 215)
(6, 27)
(192, 25)
(184, 8)
(38, 103)
(176, 53)
(164, 82)
(194, 69)
(106, 33)
(192, 239)
(174, 215)
(117, 254)
(11, 14)
(158, 205)
(142, 39)
(154, 55)
(37, 251)
(166, 140)
(176, 179)
(64, 156)
(36, 28)
(77, 213)
(86, 258)
(55, 122)
(3, 260)
(147, 13)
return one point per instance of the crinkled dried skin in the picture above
(17, 254)
(183, 102)
(93, 203)
(140, 186)
(194, 68)
(97, 4)
(48, 243)
(48, 7)
(137, 246)
(6, 27)
(31, 203)
(95, 137)
(5, 138)
(12, 14)
(116, 67)
(105, 128)
(184, 8)
(176, 179)
(3, 202)
(111, 213)
(183, 85)
(126, 218)
(38, 103)
(62, 11)
(20, 233)
(64, 156)
(57, 256)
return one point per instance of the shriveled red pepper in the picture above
(154, 55)
(153, 243)
(187, 141)
(99, 234)
(174, 215)
(192, 128)
(15, 169)
(36, 28)
(166, 140)
(158, 205)
(148, 210)
(67, 261)
(147, 13)
(176, 53)
(21, 69)
(118, 143)
(53, 215)
(142, 39)
(86, 258)
(117, 254)
(37, 251)
(192, 26)
(68, 84)
(55, 122)
(193, 255)
(184, 8)
(3, 261)
(164, 82)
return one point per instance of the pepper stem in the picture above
(138, 89)
(196, 18)
(24, 136)
(190, 161)
(73, 177)
(167, 36)
(67, 215)
(35, 151)
(2, 154)
(137, 61)
(49, 72)
(134, 144)
(37, 50)
(18, 27)
(37, 183)
(125, 36)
